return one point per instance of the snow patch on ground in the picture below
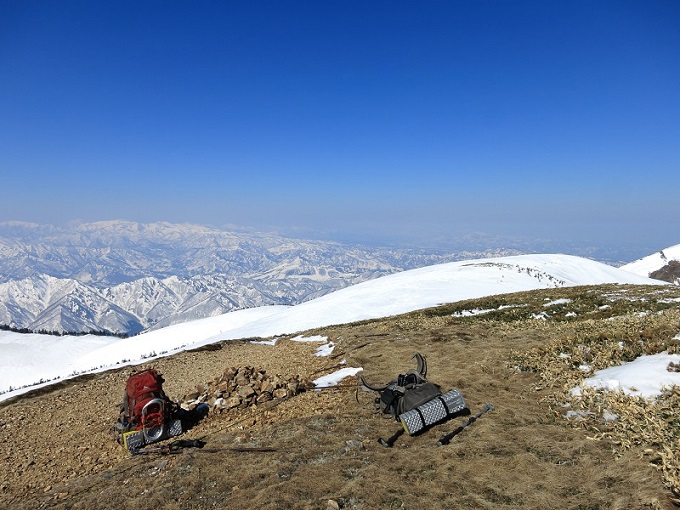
(325, 349)
(645, 376)
(333, 379)
(315, 338)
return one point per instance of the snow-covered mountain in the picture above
(45, 303)
(108, 253)
(663, 265)
(124, 277)
(29, 359)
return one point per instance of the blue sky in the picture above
(367, 121)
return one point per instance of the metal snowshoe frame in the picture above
(152, 434)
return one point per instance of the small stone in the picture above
(332, 505)
(354, 444)
(233, 401)
(280, 393)
(246, 391)
(264, 397)
(267, 386)
(242, 378)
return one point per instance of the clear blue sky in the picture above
(385, 121)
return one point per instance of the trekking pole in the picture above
(164, 450)
(447, 438)
(390, 441)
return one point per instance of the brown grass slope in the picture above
(57, 452)
(668, 273)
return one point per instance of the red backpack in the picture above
(145, 405)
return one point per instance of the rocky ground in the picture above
(319, 449)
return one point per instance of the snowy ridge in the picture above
(125, 277)
(25, 360)
(654, 262)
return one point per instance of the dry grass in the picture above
(524, 454)
(650, 426)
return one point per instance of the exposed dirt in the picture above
(668, 273)
(57, 451)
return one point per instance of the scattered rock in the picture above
(240, 387)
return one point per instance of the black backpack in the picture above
(415, 402)
(406, 392)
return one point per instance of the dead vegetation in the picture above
(628, 421)
(524, 454)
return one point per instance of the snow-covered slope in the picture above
(124, 277)
(656, 262)
(27, 359)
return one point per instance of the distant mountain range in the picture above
(125, 277)
(24, 365)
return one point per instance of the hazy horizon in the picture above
(374, 123)
(625, 250)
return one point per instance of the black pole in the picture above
(447, 438)
(390, 441)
